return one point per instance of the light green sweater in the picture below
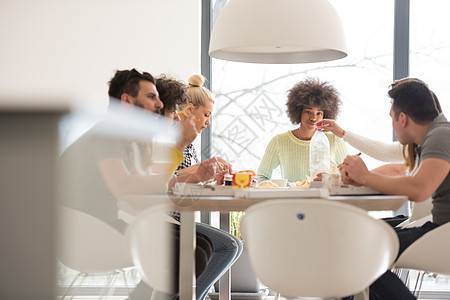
(292, 155)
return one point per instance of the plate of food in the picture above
(269, 184)
(300, 184)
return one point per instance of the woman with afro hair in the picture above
(308, 102)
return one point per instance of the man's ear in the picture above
(125, 98)
(403, 119)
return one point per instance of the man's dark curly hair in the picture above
(172, 92)
(127, 81)
(313, 93)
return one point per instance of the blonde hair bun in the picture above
(196, 80)
(197, 93)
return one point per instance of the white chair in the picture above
(430, 253)
(151, 248)
(419, 222)
(419, 210)
(317, 248)
(90, 246)
(404, 273)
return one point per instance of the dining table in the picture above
(188, 205)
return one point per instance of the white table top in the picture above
(135, 203)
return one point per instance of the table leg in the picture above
(187, 256)
(225, 280)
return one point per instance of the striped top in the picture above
(292, 155)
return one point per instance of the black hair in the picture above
(314, 93)
(127, 81)
(172, 92)
(413, 97)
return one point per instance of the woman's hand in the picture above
(219, 177)
(206, 170)
(223, 165)
(328, 125)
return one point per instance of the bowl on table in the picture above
(280, 182)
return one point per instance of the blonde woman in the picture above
(226, 247)
(200, 105)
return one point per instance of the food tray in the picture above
(352, 190)
(259, 193)
(192, 189)
(346, 190)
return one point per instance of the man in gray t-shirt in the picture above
(82, 184)
(415, 120)
(436, 144)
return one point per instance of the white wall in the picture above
(72, 47)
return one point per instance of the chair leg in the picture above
(125, 281)
(153, 296)
(418, 285)
(70, 286)
(83, 277)
(407, 277)
(106, 291)
(110, 285)
(403, 274)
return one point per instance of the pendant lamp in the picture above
(278, 32)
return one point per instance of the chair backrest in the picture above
(150, 240)
(429, 253)
(419, 212)
(317, 248)
(417, 222)
(87, 244)
(243, 278)
(421, 209)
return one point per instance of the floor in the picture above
(433, 287)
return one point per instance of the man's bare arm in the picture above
(418, 187)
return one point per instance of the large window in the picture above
(250, 98)
(430, 46)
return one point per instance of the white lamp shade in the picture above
(278, 32)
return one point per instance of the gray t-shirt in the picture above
(81, 184)
(436, 144)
